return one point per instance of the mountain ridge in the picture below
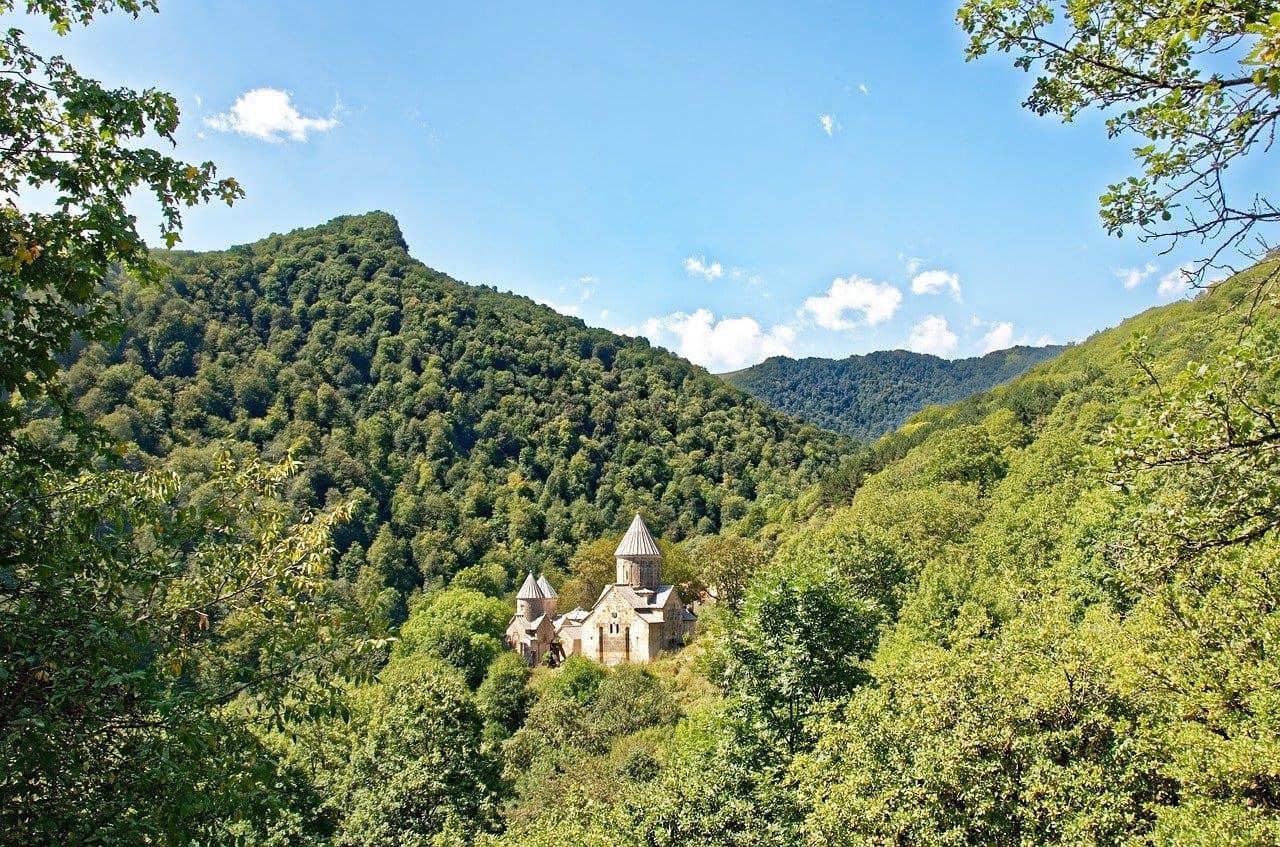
(869, 395)
(471, 427)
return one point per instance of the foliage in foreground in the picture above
(133, 611)
(1195, 85)
(1060, 627)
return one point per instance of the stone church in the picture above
(633, 620)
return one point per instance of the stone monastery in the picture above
(634, 619)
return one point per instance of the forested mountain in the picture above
(868, 396)
(468, 426)
(1044, 614)
(260, 599)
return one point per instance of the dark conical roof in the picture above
(530, 590)
(637, 541)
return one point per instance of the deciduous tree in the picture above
(87, 144)
(1195, 85)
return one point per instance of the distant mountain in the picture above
(470, 427)
(868, 396)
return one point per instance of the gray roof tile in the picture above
(530, 590)
(637, 541)
(547, 590)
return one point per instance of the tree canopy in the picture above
(1196, 85)
(469, 427)
(87, 144)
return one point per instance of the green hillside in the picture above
(868, 396)
(469, 427)
(1044, 615)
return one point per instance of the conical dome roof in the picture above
(530, 590)
(546, 589)
(637, 541)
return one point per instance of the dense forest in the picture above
(869, 396)
(1032, 617)
(467, 427)
(259, 511)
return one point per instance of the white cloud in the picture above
(999, 337)
(722, 344)
(1131, 278)
(932, 336)
(931, 282)
(697, 266)
(587, 286)
(268, 114)
(829, 124)
(1175, 282)
(874, 303)
(199, 102)
(862, 86)
(913, 264)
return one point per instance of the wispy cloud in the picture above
(829, 124)
(913, 264)
(999, 337)
(587, 286)
(871, 303)
(721, 344)
(1131, 278)
(862, 86)
(699, 266)
(931, 282)
(932, 336)
(1176, 282)
(268, 114)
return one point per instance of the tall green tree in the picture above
(132, 611)
(802, 638)
(418, 769)
(88, 145)
(134, 607)
(1198, 468)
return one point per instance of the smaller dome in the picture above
(546, 589)
(530, 590)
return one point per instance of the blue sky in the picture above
(733, 180)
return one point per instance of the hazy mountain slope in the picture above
(470, 426)
(867, 396)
